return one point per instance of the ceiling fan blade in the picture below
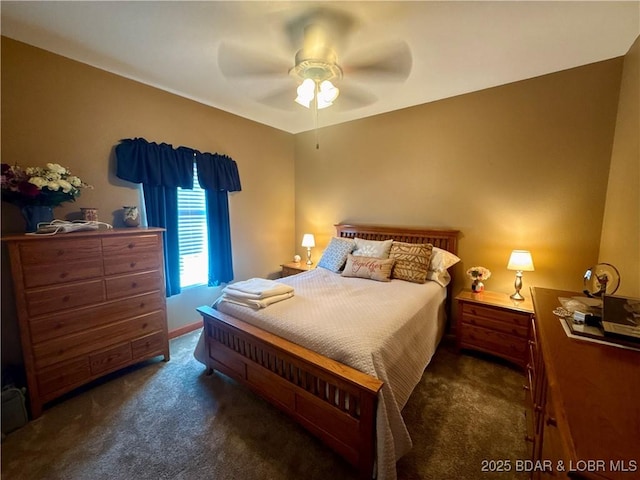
(352, 97)
(236, 61)
(392, 61)
(282, 99)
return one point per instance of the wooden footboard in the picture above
(333, 401)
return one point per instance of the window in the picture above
(192, 235)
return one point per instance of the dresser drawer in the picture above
(498, 325)
(504, 316)
(60, 324)
(494, 342)
(127, 285)
(149, 344)
(63, 375)
(53, 299)
(132, 263)
(83, 343)
(59, 251)
(130, 245)
(41, 275)
(110, 359)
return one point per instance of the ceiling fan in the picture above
(322, 66)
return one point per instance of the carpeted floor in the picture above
(171, 421)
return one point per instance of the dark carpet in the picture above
(170, 420)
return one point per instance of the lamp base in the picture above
(516, 296)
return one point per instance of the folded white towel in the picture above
(253, 303)
(257, 288)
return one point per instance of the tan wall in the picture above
(620, 244)
(521, 166)
(58, 110)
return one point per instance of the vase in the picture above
(89, 214)
(131, 216)
(477, 286)
(35, 214)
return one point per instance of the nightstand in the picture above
(293, 268)
(493, 323)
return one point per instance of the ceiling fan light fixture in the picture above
(328, 91)
(306, 92)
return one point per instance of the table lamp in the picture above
(308, 242)
(520, 261)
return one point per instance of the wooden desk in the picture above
(585, 400)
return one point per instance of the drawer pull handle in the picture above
(134, 284)
(66, 298)
(525, 387)
(60, 252)
(144, 325)
(141, 304)
(552, 422)
(537, 408)
(64, 275)
(132, 264)
(528, 438)
(131, 245)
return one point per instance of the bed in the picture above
(346, 388)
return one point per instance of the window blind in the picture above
(192, 235)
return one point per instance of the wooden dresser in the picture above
(493, 323)
(88, 303)
(583, 415)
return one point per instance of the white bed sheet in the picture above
(389, 330)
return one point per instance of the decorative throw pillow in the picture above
(411, 261)
(368, 267)
(335, 254)
(372, 248)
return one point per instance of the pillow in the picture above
(441, 260)
(443, 278)
(335, 254)
(411, 261)
(368, 267)
(372, 248)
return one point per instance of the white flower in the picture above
(66, 186)
(38, 181)
(75, 181)
(57, 168)
(478, 273)
(53, 186)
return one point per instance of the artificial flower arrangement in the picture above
(478, 273)
(44, 186)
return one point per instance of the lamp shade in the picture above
(520, 260)
(308, 240)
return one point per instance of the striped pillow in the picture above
(411, 261)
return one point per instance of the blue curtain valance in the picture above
(153, 164)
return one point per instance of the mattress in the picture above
(389, 330)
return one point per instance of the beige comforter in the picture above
(389, 330)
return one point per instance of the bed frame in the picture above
(333, 401)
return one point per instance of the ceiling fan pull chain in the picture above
(315, 106)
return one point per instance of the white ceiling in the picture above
(456, 47)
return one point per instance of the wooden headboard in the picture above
(445, 239)
(442, 238)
